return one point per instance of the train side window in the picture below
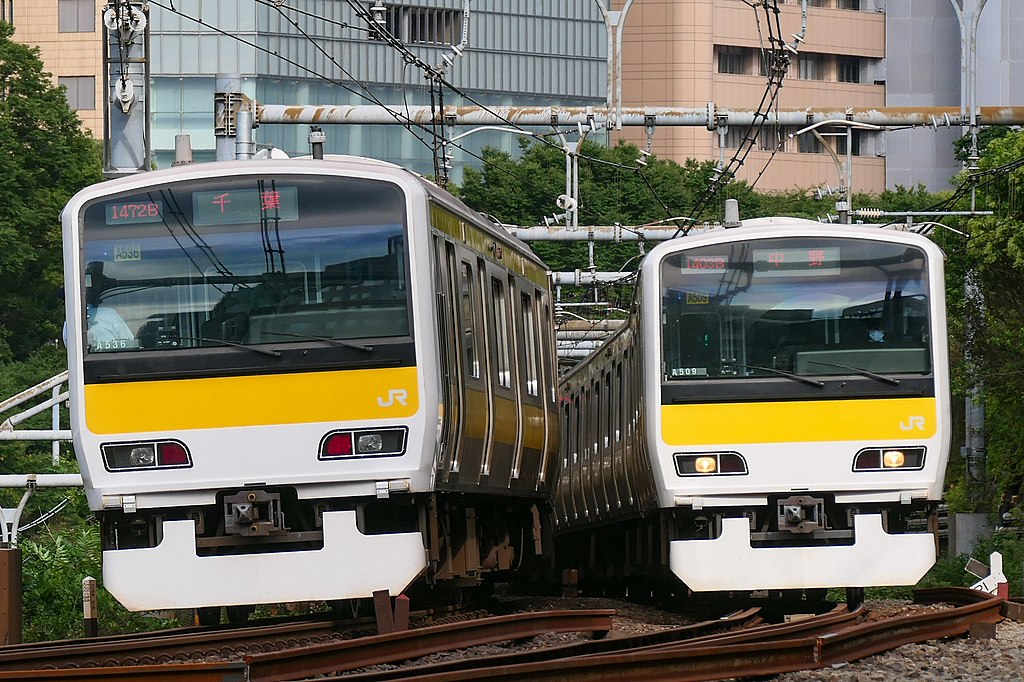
(608, 412)
(530, 330)
(577, 435)
(499, 322)
(616, 405)
(467, 308)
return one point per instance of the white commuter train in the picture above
(770, 417)
(304, 380)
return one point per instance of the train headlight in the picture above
(142, 456)
(889, 459)
(710, 464)
(386, 442)
(893, 459)
(370, 443)
(705, 465)
(160, 454)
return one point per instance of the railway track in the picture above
(735, 646)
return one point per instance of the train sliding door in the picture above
(449, 331)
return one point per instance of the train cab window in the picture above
(255, 259)
(810, 306)
(530, 331)
(500, 331)
(467, 312)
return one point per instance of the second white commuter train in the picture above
(772, 415)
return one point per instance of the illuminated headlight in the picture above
(161, 454)
(893, 459)
(706, 465)
(386, 442)
(889, 459)
(710, 464)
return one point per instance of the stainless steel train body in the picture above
(771, 416)
(303, 380)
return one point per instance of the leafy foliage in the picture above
(46, 158)
(54, 565)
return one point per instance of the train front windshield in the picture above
(249, 259)
(804, 306)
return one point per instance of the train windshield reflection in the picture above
(808, 306)
(324, 259)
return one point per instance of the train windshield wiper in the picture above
(782, 373)
(328, 339)
(892, 381)
(234, 344)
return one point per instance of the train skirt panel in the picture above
(730, 563)
(349, 565)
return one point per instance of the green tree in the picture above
(995, 254)
(46, 159)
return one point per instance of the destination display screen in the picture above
(800, 262)
(239, 206)
(132, 212)
(694, 264)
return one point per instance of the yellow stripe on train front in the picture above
(223, 402)
(895, 419)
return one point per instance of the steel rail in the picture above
(868, 639)
(160, 647)
(677, 635)
(758, 656)
(398, 646)
(180, 672)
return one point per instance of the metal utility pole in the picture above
(614, 21)
(126, 106)
(845, 204)
(974, 451)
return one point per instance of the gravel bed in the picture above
(959, 659)
(962, 659)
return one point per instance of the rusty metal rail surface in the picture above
(400, 646)
(788, 650)
(176, 672)
(813, 643)
(171, 646)
(686, 633)
(344, 655)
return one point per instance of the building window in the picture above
(732, 60)
(854, 147)
(76, 16)
(849, 4)
(810, 67)
(7, 11)
(771, 139)
(425, 25)
(808, 143)
(735, 135)
(819, 3)
(81, 91)
(848, 69)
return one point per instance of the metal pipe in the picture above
(41, 480)
(633, 116)
(600, 233)
(618, 64)
(56, 400)
(36, 435)
(36, 390)
(245, 147)
(585, 278)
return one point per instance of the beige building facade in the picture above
(69, 36)
(687, 53)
